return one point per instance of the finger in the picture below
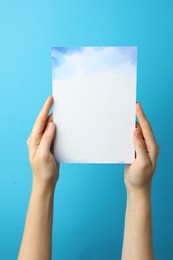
(137, 126)
(47, 139)
(40, 122)
(140, 148)
(50, 119)
(33, 148)
(148, 135)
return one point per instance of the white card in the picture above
(94, 91)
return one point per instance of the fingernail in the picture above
(138, 133)
(50, 126)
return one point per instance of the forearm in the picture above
(137, 243)
(37, 238)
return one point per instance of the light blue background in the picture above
(90, 199)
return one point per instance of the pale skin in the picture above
(137, 243)
(37, 237)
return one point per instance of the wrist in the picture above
(139, 199)
(43, 189)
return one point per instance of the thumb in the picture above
(140, 147)
(47, 138)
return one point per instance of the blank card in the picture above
(94, 91)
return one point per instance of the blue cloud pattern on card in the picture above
(92, 59)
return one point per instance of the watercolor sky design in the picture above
(92, 87)
(92, 59)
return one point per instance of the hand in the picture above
(138, 175)
(44, 167)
